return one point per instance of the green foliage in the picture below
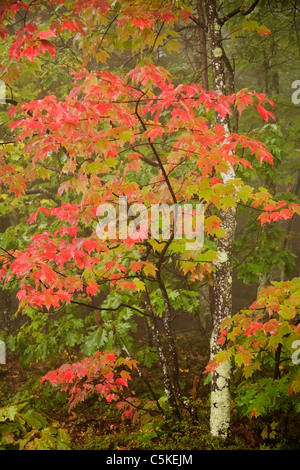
(262, 343)
(265, 252)
(23, 428)
(266, 396)
(155, 433)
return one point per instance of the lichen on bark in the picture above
(220, 399)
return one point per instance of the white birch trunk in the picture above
(222, 290)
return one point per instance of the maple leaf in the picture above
(121, 382)
(243, 358)
(243, 99)
(82, 260)
(51, 376)
(215, 180)
(253, 328)
(141, 22)
(46, 34)
(222, 338)
(263, 31)
(70, 25)
(63, 295)
(254, 413)
(136, 266)
(128, 413)
(90, 245)
(152, 133)
(46, 45)
(134, 165)
(21, 294)
(110, 358)
(45, 273)
(149, 269)
(122, 268)
(30, 52)
(109, 377)
(122, 284)
(271, 326)
(67, 376)
(264, 113)
(17, 6)
(212, 365)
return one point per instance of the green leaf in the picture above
(173, 46)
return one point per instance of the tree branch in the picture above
(238, 10)
(111, 309)
(156, 154)
(43, 191)
(57, 170)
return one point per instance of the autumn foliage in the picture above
(104, 114)
(138, 133)
(104, 374)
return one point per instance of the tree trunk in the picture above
(202, 41)
(222, 290)
(262, 283)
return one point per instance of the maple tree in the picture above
(261, 341)
(79, 379)
(138, 134)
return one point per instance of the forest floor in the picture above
(94, 425)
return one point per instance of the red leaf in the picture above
(167, 15)
(111, 357)
(51, 376)
(82, 259)
(122, 268)
(128, 413)
(211, 366)
(70, 25)
(16, 6)
(141, 23)
(264, 112)
(109, 377)
(46, 273)
(43, 209)
(21, 294)
(92, 288)
(214, 180)
(120, 382)
(271, 326)
(31, 28)
(46, 45)
(136, 266)
(67, 376)
(222, 338)
(253, 328)
(46, 34)
(254, 413)
(32, 218)
(90, 245)
(30, 52)
(263, 31)
(63, 295)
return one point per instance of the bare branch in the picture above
(238, 10)
(156, 153)
(42, 191)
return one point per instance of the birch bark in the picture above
(222, 290)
